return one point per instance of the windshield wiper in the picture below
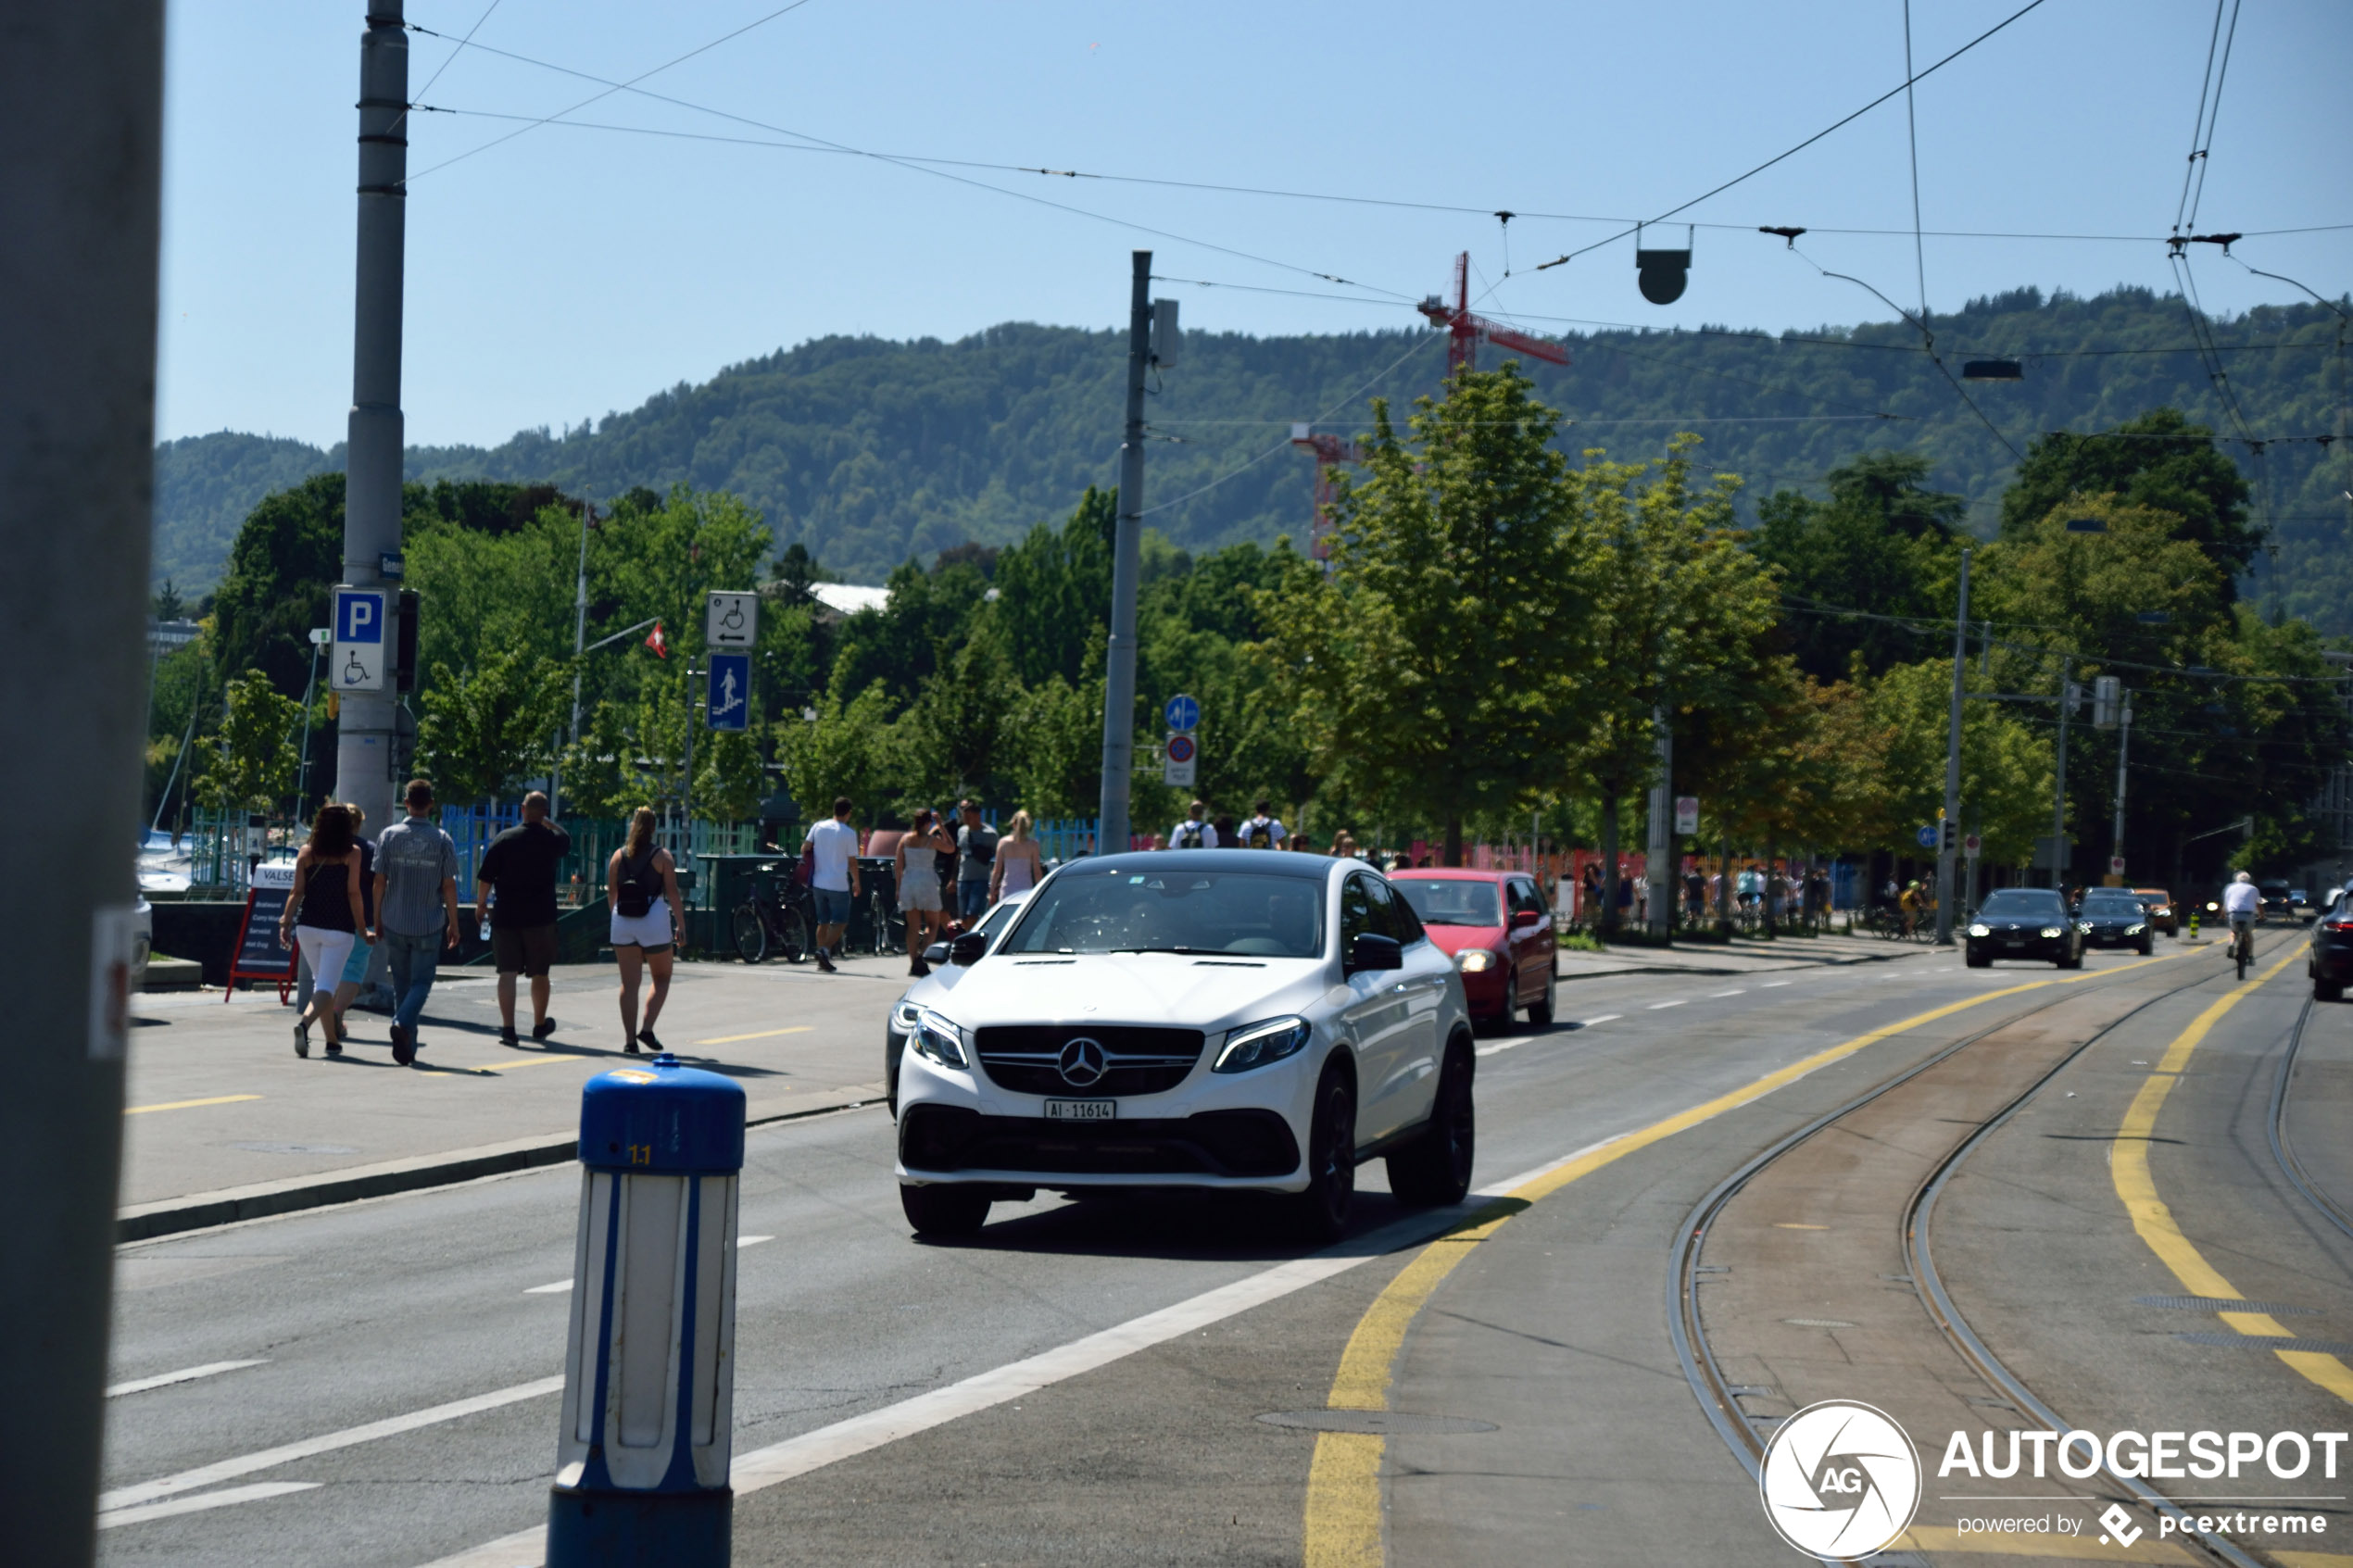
(1164, 949)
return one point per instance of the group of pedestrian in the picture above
(1264, 830)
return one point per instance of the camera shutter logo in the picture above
(1840, 1480)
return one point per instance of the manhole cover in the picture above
(2222, 1304)
(295, 1147)
(1378, 1423)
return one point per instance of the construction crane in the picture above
(1330, 452)
(1465, 330)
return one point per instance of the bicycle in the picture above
(766, 924)
(2242, 943)
(890, 923)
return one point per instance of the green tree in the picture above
(849, 750)
(1420, 671)
(255, 765)
(1884, 544)
(486, 729)
(2161, 462)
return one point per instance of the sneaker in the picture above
(646, 1036)
(632, 1049)
(824, 963)
(543, 1028)
(507, 1037)
(404, 1045)
(334, 1050)
(916, 967)
(302, 1041)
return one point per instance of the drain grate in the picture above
(2222, 1304)
(1378, 1423)
(2270, 1342)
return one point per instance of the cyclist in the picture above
(2241, 903)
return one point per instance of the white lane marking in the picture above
(1498, 1045)
(559, 1286)
(1661, 1007)
(255, 1493)
(1606, 1018)
(245, 1464)
(189, 1374)
(860, 1434)
(1770, 983)
(1714, 996)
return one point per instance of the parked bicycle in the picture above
(773, 921)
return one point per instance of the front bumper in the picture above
(2036, 950)
(2098, 938)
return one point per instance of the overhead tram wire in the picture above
(806, 142)
(448, 61)
(1903, 87)
(1912, 134)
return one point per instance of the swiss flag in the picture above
(659, 644)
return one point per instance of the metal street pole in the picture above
(1661, 849)
(2058, 788)
(2123, 747)
(1948, 830)
(579, 652)
(1119, 676)
(364, 739)
(79, 181)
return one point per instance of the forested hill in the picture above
(870, 451)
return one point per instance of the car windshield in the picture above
(1167, 910)
(2150, 900)
(2112, 904)
(2012, 903)
(1451, 903)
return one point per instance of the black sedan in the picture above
(2114, 917)
(2025, 923)
(2331, 964)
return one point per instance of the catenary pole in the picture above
(579, 655)
(2123, 748)
(1948, 892)
(365, 742)
(2059, 783)
(1119, 675)
(1661, 848)
(79, 175)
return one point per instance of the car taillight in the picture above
(2345, 923)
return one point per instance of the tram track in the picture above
(2283, 1147)
(1719, 1396)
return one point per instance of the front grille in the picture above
(1026, 1057)
(1215, 1143)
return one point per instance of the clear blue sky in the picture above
(571, 272)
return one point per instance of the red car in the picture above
(1495, 926)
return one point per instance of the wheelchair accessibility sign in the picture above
(358, 663)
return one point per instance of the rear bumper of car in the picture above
(2333, 963)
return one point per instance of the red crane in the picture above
(1465, 330)
(1330, 452)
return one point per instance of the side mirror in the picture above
(936, 953)
(968, 950)
(1369, 951)
(1525, 917)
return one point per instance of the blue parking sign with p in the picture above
(358, 663)
(359, 617)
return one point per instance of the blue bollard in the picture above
(641, 1461)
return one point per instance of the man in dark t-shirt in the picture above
(520, 867)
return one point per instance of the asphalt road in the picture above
(363, 1324)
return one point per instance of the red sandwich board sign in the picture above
(257, 955)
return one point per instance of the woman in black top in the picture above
(322, 917)
(642, 881)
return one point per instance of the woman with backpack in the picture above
(642, 881)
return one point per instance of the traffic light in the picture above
(404, 646)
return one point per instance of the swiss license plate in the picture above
(1081, 1110)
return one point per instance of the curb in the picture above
(204, 1210)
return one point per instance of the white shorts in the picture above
(920, 891)
(648, 930)
(326, 952)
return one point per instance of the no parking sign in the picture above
(1179, 759)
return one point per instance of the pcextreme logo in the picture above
(1840, 1480)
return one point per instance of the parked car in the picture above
(1248, 1020)
(2025, 923)
(1495, 927)
(2114, 917)
(2330, 959)
(2162, 915)
(943, 979)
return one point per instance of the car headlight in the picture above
(2054, 931)
(1256, 1045)
(937, 1039)
(902, 1017)
(1472, 961)
(2135, 929)
(1980, 931)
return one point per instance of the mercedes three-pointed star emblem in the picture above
(1083, 1062)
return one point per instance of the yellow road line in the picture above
(187, 1104)
(512, 1066)
(1344, 1520)
(2129, 1167)
(758, 1035)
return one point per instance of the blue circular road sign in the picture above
(1927, 836)
(1182, 712)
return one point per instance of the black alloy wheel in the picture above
(1540, 1011)
(751, 933)
(1320, 1213)
(940, 1210)
(1435, 1169)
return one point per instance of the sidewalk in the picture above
(1743, 955)
(225, 1123)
